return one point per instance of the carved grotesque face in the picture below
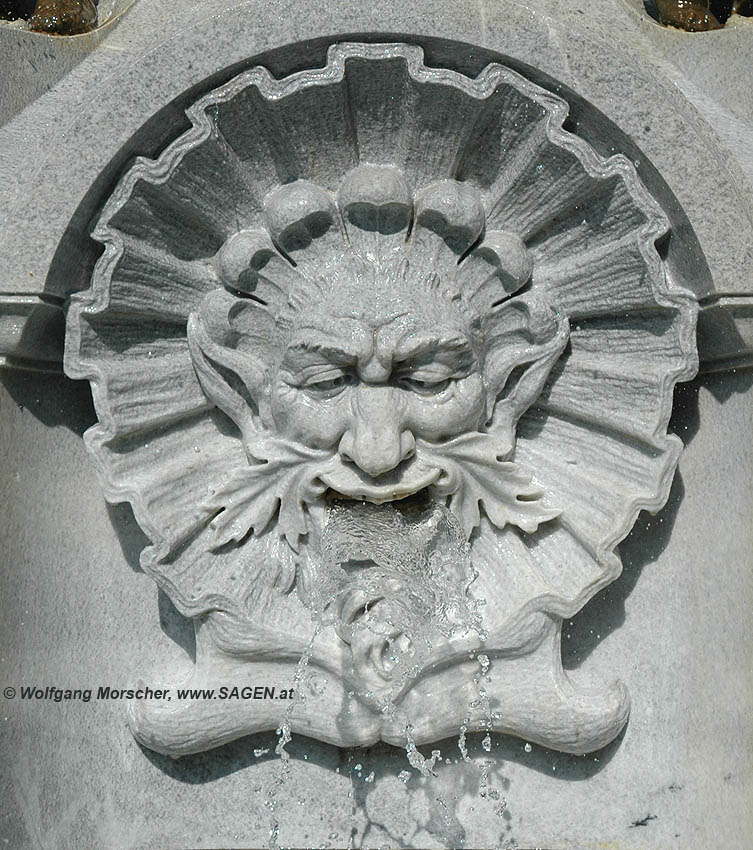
(366, 375)
(365, 345)
(397, 363)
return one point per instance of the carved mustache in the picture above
(284, 478)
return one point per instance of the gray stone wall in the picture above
(77, 611)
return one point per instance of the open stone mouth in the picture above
(411, 504)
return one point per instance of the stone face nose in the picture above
(376, 440)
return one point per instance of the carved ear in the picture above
(523, 338)
(232, 345)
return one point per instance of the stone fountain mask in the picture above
(383, 359)
(359, 360)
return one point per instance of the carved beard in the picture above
(392, 580)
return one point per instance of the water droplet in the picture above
(404, 775)
(528, 748)
(461, 743)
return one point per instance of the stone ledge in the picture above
(725, 333)
(31, 333)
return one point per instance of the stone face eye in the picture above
(421, 387)
(330, 386)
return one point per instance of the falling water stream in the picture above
(284, 737)
(392, 582)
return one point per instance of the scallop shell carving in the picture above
(575, 231)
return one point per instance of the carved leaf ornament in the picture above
(521, 345)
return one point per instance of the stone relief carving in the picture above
(383, 359)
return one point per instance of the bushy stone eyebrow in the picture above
(420, 348)
(312, 347)
(307, 353)
(400, 349)
(307, 350)
(338, 340)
